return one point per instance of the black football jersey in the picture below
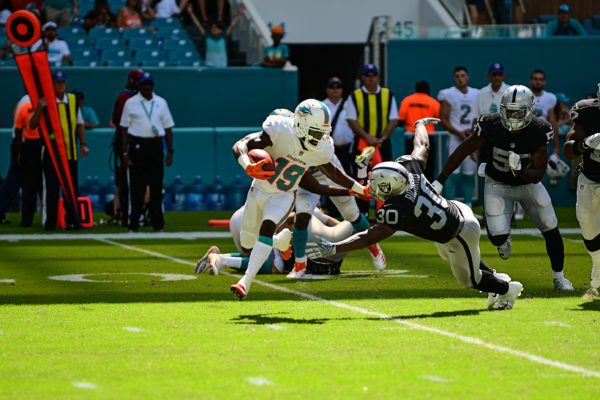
(500, 141)
(420, 211)
(587, 114)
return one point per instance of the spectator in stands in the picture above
(216, 39)
(564, 25)
(100, 17)
(413, 108)
(131, 15)
(90, 119)
(340, 131)
(8, 51)
(168, 8)
(204, 15)
(488, 99)
(562, 112)
(544, 103)
(5, 11)
(277, 55)
(59, 11)
(58, 50)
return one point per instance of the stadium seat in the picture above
(116, 55)
(142, 44)
(71, 32)
(166, 22)
(130, 34)
(152, 63)
(79, 43)
(98, 33)
(9, 63)
(83, 54)
(118, 63)
(110, 43)
(84, 63)
(187, 63)
(544, 19)
(175, 44)
(592, 25)
(177, 56)
(171, 33)
(148, 55)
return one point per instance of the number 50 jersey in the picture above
(291, 160)
(421, 210)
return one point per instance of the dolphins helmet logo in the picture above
(304, 110)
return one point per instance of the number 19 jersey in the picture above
(421, 210)
(291, 160)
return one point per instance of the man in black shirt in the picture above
(517, 154)
(412, 205)
(585, 139)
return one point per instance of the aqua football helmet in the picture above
(516, 107)
(312, 123)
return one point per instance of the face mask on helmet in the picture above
(389, 179)
(516, 107)
(312, 123)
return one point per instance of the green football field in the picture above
(107, 316)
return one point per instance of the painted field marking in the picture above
(435, 378)
(82, 277)
(276, 327)
(462, 338)
(557, 323)
(202, 235)
(259, 381)
(84, 385)
(132, 329)
(11, 281)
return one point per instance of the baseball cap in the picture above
(564, 8)
(370, 70)
(59, 76)
(561, 97)
(277, 30)
(496, 67)
(49, 24)
(135, 74)
(335, 83)
(146, 77)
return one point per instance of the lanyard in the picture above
(148, 114)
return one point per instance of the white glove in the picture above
(514, 161)
(592, 141)
(320, 249)
(437, 186)
(426, 121)
(481, 170)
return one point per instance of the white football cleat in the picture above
(507, 300)
(379, 261)
(493, 297)
(595, 278)
(282, 240)
(239, 291)
(202, 264)
(504, 249)
(216, 263)
(298, 271)
(563, 284)
(363, 159)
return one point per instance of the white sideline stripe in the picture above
(84, 385)
(435, 378)
(7, 281)
(276, 327)
(201, 235)
(462, 338)
(259, 381)
(133, 329)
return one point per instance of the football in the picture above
(257, 155)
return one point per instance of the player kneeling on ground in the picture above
(412, 205)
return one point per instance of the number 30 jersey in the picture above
(291, 160)
(421, 210)
(500, 141)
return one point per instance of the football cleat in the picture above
(202, 264)
(298, 271)
(507, 300)
(595, 278)
(493, 297)
(504, 249)
(363, 159)
(563, 284)
(215, 263)
(239, 291)
(379, 261)
(282, 240)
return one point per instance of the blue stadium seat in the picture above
(84, 54)
(187, 63)
(118, 63)
(98, 33)
(142, 33)
(544, 19)
(141, 44)
(172, 33)
(592, 25)
(152, 63)
(166, 22)
(79, 43)
(174, 44)
(116, 55)
(9, 63)
(85, 63)
(110, 43)
(71, 32)
(148, 54)
(183, 54)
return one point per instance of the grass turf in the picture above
(139, 337)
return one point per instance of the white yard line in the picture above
(462, 338)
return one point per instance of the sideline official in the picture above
(146, 120)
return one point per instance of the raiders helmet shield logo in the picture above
(385, 187)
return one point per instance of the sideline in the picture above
(200, 235)
(465, 339)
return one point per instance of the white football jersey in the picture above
(291, 160)
(543, 104)
(461, 106)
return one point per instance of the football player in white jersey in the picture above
(544, 103)
(456, 112)
(295, 145)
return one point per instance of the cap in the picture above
(370, 70)
(564, 8)
(49, 24)
(59, 76)
(496, 67)
(277, 30)
(135, 74)
(335, 82)
(561, 97)
(146, 77)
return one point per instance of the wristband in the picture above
(357, 187)
(244, 161)
(441, 178)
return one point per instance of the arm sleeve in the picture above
(125, 117)
(167, 118)
(79, 117)
(403, 110)
(393, 108)
(350, 108)
(21, 119)
(441, 95)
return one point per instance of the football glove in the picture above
(320, 249)
(437, 186)
(426, 121)
(592, 141)
(514, 161)
(364, 195)
(255, 170)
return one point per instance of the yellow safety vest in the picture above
(373, 113)
(68, 123)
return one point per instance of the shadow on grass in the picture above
(589, 305)
(442, 314)
(266, 319)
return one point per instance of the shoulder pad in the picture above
(275, 123)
